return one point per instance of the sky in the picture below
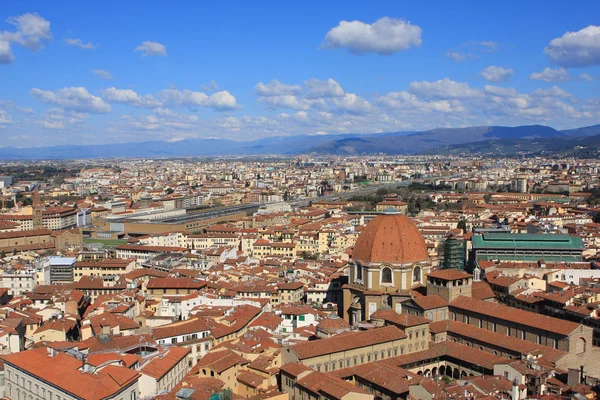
(78, 72)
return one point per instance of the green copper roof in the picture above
(526, 241)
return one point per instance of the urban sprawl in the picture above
(308, 278)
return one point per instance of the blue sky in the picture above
(110, 71)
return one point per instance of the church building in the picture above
(389, 258)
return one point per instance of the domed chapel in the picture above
(389, 258)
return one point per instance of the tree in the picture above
(487, 197)
(2, 254)
(462, 224)
(169, 191)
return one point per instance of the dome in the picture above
(390, 238)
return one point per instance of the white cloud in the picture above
(314, 95)
(496, 74)
(152, 49)
(276, 88)
(128, 96)
(219, 101)
(576, 49)
(31, 31)
(444, 88)
(352, 103)
(585, 77)
(551, 75)
(456, 56)
(499, 91)
(489, 46)
(102, 74)
(73, 98)
(11, 105)
(80, 43)
(385, 36)
(59, 119)
(210, 87)
(317, 88)
(471, 50)
(285, 101)
(6, 54)
(5, 118)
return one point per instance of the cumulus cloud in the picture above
(102, 74)
(128, 96)
(219, 101)
(317, 88)
(496, 74)
(11, 105)
(315, 94)
(31, 31)
(385, 36)
(444, 88)
(152, 49)
(585, 77)
(6, 54)
(210, 87)
(59, 119)
(352, 103)
(276, 88)
(80, 43)
(551, 75)
(74, 99)
(5, 118)
(576, 49)
(471, 50)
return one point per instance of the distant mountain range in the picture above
(580, 143)
(481, 139)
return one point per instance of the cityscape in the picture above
(378, 206)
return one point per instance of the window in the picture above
(358, 272)
(386, 275)
(417, 274)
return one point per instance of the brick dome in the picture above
(390, 238)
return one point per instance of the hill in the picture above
(444, 140)
(435, 138)
(579, 147)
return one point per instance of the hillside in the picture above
(421, 141)
(580, 147)
(505, 139)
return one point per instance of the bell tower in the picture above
(37, 210)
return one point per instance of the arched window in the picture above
(417, 274)
(386, 275)
(358, 272)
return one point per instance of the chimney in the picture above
(515, 389)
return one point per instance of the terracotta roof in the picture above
(401, 320)
(481, 290)
(390, 238)
(162, 364)
(516, 315)
(510, 343)
(187, 327)
(65, 374)
(221, 360)
(430, 302)
(347, 342)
